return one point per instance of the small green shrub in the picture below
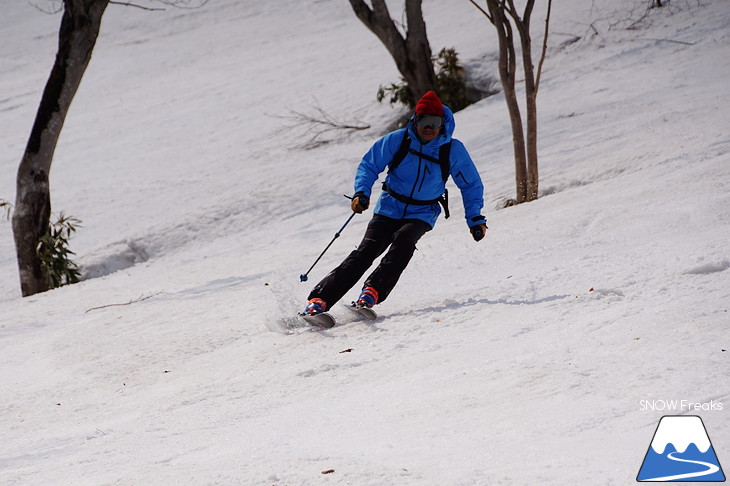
(52, 249)
(451, 79)
(56, 262)
(398, 93)
(450, 83)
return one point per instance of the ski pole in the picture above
(304, 277)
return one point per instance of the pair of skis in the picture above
(325, 320)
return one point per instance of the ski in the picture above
(365, 312)
(323, 320)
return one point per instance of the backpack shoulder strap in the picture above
(445, 160)
(401, 153)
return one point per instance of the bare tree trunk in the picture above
(77, 36)
(523, 26)
(419, 51)
(412, 54)
(507, 70)
(526, 156)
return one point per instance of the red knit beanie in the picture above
(430, 104)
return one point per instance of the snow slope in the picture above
(524, 359)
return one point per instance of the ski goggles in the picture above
(432, 122)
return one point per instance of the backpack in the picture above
(444, 161)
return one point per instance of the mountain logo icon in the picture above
(681, 451)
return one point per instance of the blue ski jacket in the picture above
(420, 179)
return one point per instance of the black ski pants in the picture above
(400, 234)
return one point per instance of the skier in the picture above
(420, 158)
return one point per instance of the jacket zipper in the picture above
(426, 172)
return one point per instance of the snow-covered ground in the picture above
(528, 358)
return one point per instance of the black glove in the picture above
(360, 203)
(478, 231)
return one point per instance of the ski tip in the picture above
(322, 320)
(366, 312)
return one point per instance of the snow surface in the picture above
(523, 359)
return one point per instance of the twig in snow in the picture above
(6, 207)
(665, 40)
(50, 10)
(130, 4)
(141, 298)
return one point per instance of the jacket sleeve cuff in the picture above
(477, 220)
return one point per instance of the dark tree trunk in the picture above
(412, 54)
(499, 13)
(77, 36)
(507, 72)
(523, 26)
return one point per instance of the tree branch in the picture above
(316, 125)
(544, 46)
(482, 10)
